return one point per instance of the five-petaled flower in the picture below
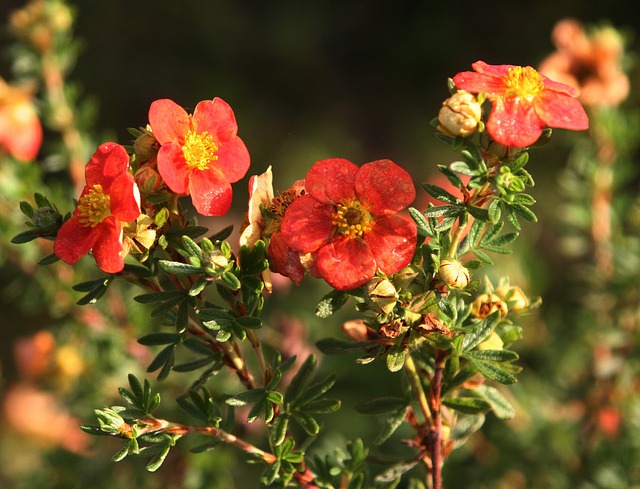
(348, 220)
(200, 154)
(109, 198)
(524, 102)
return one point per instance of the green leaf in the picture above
(301, 379)
(467, 405)
(493, 372)
(391, 423)
(525, 212)
(48, 260)
(278, 430)
(330, 303)
(463, 168)
(499, 404)
(163, 358)
(523, 199)
(307, 423)
(381, 405)
(154, 339)
(179, 268)
(494, 211)
(247, 397)
(249, 322)
(395, 358)
(421, 222)
(316, 389)
(321, 406)
(330, 346)
(444, 210)
(25, 237)
(174, 295)
(440, 194)
(478, 212)
(493, 355)
(451, 176)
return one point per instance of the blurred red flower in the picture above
(200, 154)
(20, 128)
(109, 198)
(524, 102)
(348, 219)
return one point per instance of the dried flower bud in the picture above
(460, 114)
(453, 274)
(356, 329)
(514, 297)
(487, 304)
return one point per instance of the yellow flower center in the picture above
(284, 199)
(352, 217)
(94, 207)
(523, 82)
(199, 150)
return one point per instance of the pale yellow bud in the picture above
(493, 342)
(460, 114)
(514, 297)
(453, 274)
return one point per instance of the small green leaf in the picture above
(467, 405)
(421, 222)
(308, 423)
(395, 358)
(440, 194)
(391, 423)
(381, 405)
(330, 303)
(301, 379)
(493, 372)
(500, 406)
(493, 355)
(247, 397)
(179, 268)
(154, 339)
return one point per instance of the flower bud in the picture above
(382, 294)
(47, 220)
(453, 274)
(514, 297)
(493, 342)
(486, 304)
(460, 114)
(145, 147)
(148, 180)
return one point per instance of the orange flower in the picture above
(524, 102)
(20, 128)
(590, 62)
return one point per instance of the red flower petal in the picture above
(346, 263)
(307, 224)
(108, 245)
(385, 186)
(233, 159)
(514, 123)
(559, 110)
(124, 198)
(284, 260)
(216, 118)
(331, 179)
(168, 121)
(210, 192)
(173, 168)
(108, 162)
(73, 240)
(486, 78)
(392, 242)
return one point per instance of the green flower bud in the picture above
(453, 274)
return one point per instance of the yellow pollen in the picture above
(94, 207)
(199, 150)
(523, 82)
(284, 199)
(352, 218)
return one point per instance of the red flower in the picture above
(200, 154)
(20, 128)
(348, 219)
(524, 102)
(109, 198)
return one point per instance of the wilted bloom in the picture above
(460, 114)
(524, 102)
(109, 198)
(20, 128)
(201, 154)
(263, 220)
(348, 220)
(486, 304)
(590, 61)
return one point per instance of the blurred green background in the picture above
(309, 80)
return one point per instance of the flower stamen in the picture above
(352, 217)
(94, 207)
(199, 150)
(523, 82)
